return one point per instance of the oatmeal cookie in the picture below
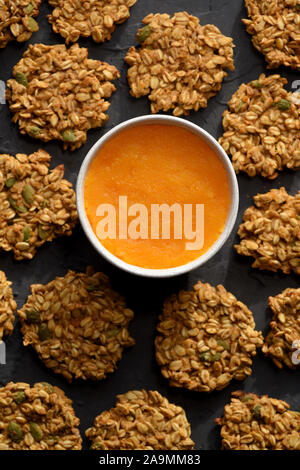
(141, 421)
(73, 19)
(251, 422)
(7, 307)
(179, 64)
(40, 417)
(284, 335)
(59, 93)
(17, 20)
(206, 338)
(270, 232)
(37, 205)
(262, 128)
(77, 324)
(275, 29)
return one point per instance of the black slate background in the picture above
(138, 368)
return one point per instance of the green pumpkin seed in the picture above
(144, 33)
(283, 105)
(68, 135)
(42, 233)
(32, 316)
(44, 204)
(48, 387)
(28, 9)
(206, 356)
(256, 84)
(112, 333)
(239, 107)
(36, 432)
(44, 332)
(96, 446)
(246, 398)
(15, 431)
(27, 233)
(19, 397)
(22, 79)
(34, 131)
(225, 345)
(32, 25)
(28, 194)
(15, 206)
(256, 412)
(10, 182)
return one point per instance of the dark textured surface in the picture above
(138, 368)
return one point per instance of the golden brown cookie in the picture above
(283, 339)
(206, 338)
(17, 20)
(141, 421)
(59, 93)
(270, 232)
(96, 18)
(179, 64)
(40, 417)
(262, 128)
(275, 31)
(251, 422)
(77, 324)
(37, 205)
(7, 307)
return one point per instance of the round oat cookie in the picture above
(97, 18)
(17, 20)
(7, 307)
(275, 29)
(40, 417)
(37, 204)
(206, 338)
(179, 64)
(59, 93)
(141, 421)
(283, 340)
(77, 324)
(252, 422)
(270, 232)
(262, 128)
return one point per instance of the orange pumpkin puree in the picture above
(155, 164)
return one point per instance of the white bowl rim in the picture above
(233, 188)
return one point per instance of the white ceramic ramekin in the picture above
(233, 186)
